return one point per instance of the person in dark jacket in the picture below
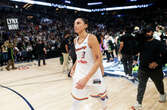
(41, 52)
(127, 48)
(152, 55)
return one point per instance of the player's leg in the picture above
(100, 93)
(78, 96)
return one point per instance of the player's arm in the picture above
(95, 48)
(101, 64)
(73, 69)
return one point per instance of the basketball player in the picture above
(86, 73)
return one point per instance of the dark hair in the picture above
(148, 28)
(84, 20)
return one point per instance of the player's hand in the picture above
(72, 72)
(153, 65)
(103, 73)
(81, 83)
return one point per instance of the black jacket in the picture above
(39, 48)
(152, 51)
(130, 44)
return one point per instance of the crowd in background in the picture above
(50, 30)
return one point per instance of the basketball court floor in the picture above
(47, 88)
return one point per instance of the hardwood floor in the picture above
(47, 88)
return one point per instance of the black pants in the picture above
(73, 60)
(107, 54)
(127, 61)
(41, 56)
(156, 76)
(29, 56)
(1, 59)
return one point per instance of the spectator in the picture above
(127, 49)
(41, 52)
(65, 51)
(10, 56)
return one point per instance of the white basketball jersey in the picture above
(85, 62)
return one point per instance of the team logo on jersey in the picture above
(84, 47)
(82, 61)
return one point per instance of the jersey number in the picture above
(83, 54)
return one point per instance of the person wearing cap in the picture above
(151, 60)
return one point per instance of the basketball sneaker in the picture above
(136, 107)
(162, 98)
(130, 77)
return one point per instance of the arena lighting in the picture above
(132, 0)
(95, 3)
(53, 5)
(98, 10)
(58, 6)
(129, 7)
(78, 9)
(33, 2)
(83, 9)
(121, 8)
(67, 1)
(71, 8)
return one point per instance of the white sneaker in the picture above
(162, 98)
(129, 77)
(126, 75)
(136, 107)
